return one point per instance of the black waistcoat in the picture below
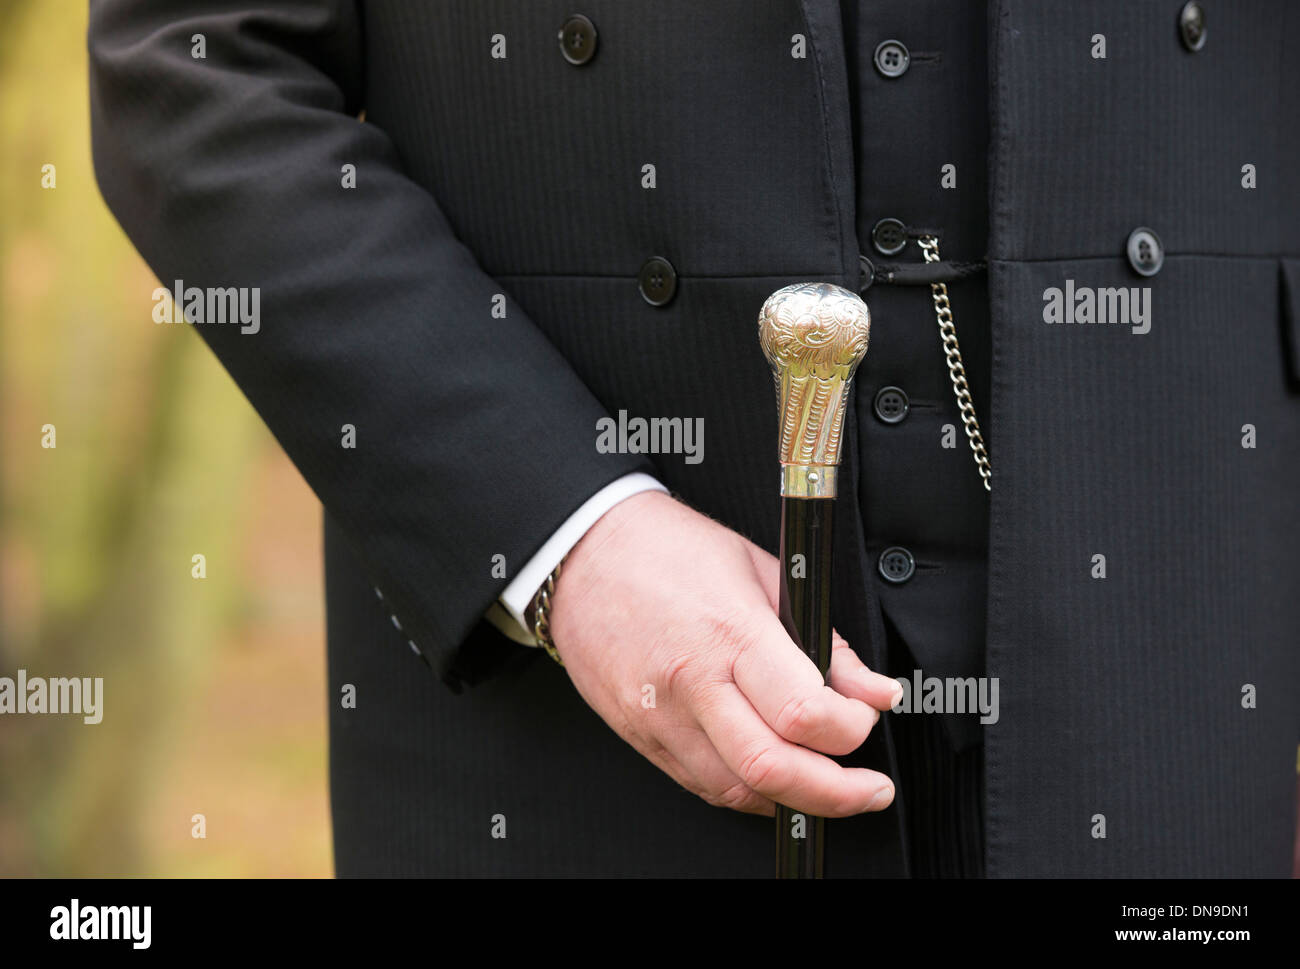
(919, 100)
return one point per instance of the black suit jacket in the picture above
(520, 176)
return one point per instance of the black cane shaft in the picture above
(813, 335)
(805, 609)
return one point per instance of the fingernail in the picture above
(880, 679)
(883, 798)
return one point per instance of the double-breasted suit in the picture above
(550, 223)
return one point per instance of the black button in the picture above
(896, 564)
(892, 58)
(866, 273)
(578, 39)
(889, 236)
(891, 404)
(1145, 253)
(1191, 26)
(658, 281)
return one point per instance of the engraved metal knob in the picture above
(814, 335)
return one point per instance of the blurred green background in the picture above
(214, 693)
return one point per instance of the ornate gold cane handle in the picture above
(814, 335)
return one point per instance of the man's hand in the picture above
(657, 595)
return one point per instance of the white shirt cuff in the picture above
(518, 595)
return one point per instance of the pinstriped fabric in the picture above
(1161, 647)
(1155, 133)
(538, 164)
(1123, 716)
(942, 789)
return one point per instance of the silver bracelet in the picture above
(542, 615)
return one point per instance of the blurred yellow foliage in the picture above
(213, 688)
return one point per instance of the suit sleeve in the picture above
(473, 436)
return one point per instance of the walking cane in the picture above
(814, 335)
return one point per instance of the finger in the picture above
(851, 677)
(789, 694)
(788, 774)
(715, 782)
(667, 762)
(686, 754)
(768, 572)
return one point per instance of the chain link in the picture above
(542, 615)
(956, 368)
